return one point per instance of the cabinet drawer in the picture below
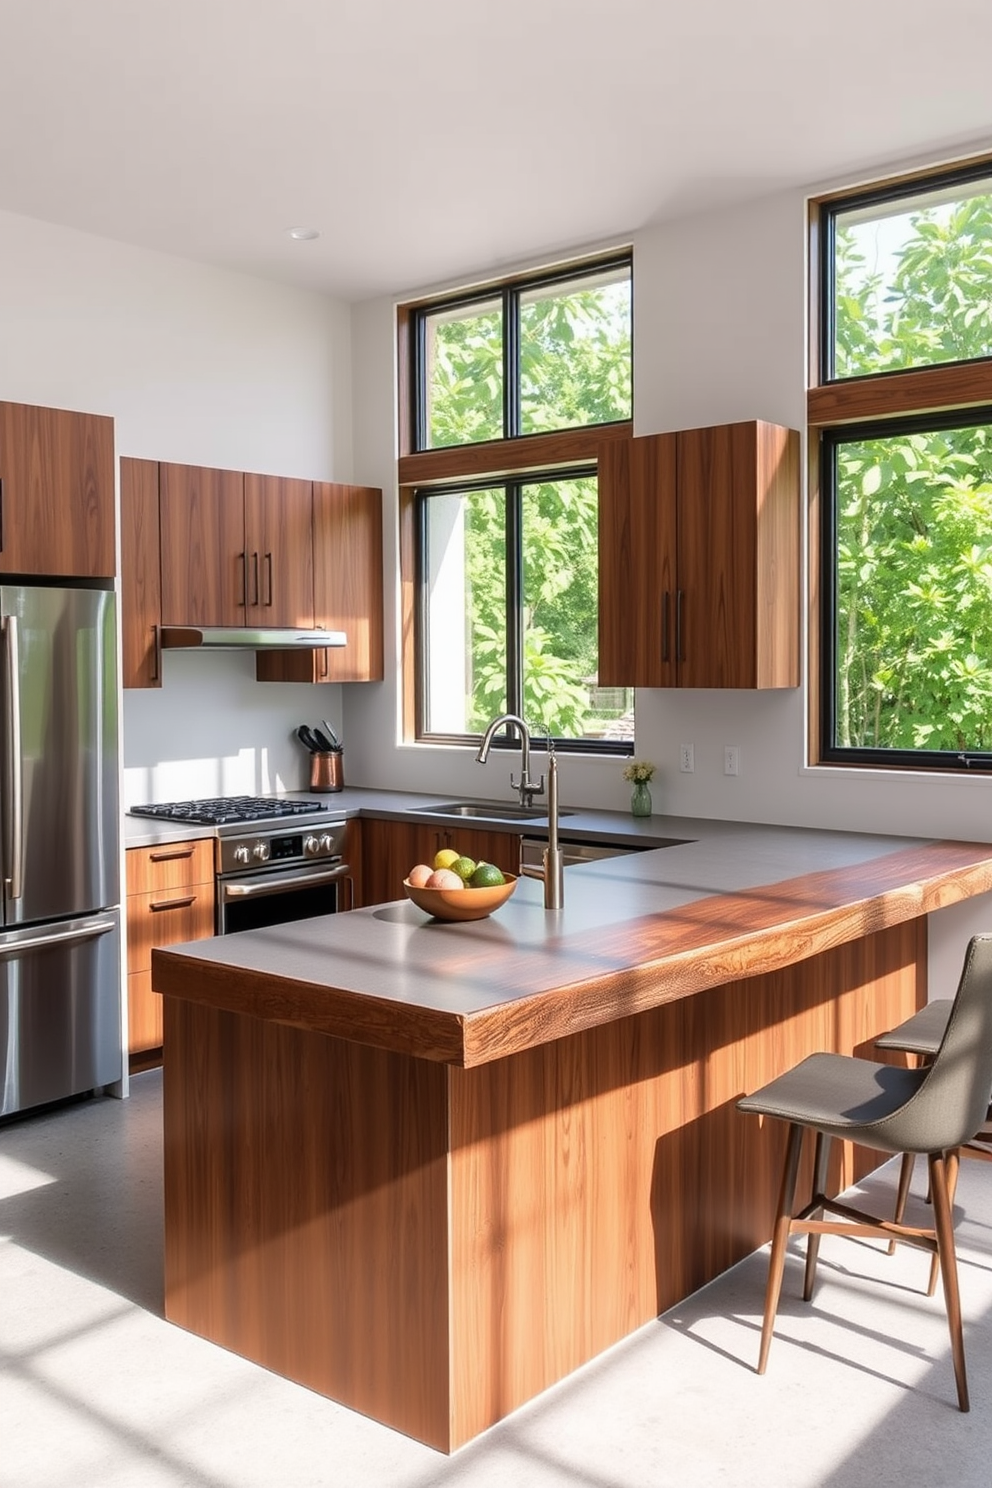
(167, 917)
(171, 865)
(144, 1014)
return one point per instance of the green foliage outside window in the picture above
(913, 636)
(575, 370)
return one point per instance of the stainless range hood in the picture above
(244, 638)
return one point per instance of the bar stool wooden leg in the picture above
(953, 1162)
(902, 1192)
(780, 1238)
(948, 1269)
(821, 1161)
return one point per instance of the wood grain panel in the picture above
(391, 849)
(144, 1014)
(717, 556)
(167, 917)
(348, 579)
(924, 390)
(57, 485)
(599, 1179)
(498, 457)
(778, 615)
(202, 525)
(279, 549)
(141, 574)
(169, 865)
(637, 555)
(306, 1211)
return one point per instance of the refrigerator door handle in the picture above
(16, 944)
(13, 805)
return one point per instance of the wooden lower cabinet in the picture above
(170, 900)
(390, 849)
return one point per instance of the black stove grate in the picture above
(217, 811)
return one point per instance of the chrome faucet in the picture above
(552, 871)
(526, 788)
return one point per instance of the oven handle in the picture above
(276, 885)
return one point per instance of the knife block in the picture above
(327, 771)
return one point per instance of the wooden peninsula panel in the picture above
(433, 1246)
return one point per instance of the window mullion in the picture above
(514, 598)
(511, 364)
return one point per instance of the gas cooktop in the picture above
(216, 811)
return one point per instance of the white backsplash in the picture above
(212, 730)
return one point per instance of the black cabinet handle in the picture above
(254, 578)
(664, 626)
(268, 577)
(243, 601)
(679, 636)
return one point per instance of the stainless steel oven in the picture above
(273, 875)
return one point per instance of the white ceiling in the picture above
(445, 138)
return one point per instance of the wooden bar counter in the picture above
(429, 1169)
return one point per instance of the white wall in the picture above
(202, 366)
(719, 335)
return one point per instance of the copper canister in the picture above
(327, 771)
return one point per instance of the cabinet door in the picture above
(279, 551)
(390, 849)
(202, 525)
(141, 576)
(348, 579)
(738, 557)
(638, 599)
(56, 492)
(347, 586)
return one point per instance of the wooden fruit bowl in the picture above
(461, 904)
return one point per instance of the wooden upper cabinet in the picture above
(347, 589)
(699, 559)
(279, 551)
(637, 548)
(204, 564)
(56, 492)
(141, 575)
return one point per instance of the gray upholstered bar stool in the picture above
(935, 1109)
(920, 1035)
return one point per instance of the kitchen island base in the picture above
(434, 1245)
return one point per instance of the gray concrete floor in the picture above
(97, 1389)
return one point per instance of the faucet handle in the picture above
(526, 786)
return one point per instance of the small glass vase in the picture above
(640, 799)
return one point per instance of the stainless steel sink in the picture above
(488, 811)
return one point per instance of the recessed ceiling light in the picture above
(302, 234)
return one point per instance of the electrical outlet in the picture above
(731, 759)
(686, 762)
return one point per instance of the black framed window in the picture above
(546, 353)
(508, 612)
(908, 643)
(907, 276)
(905, 541)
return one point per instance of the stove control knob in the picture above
(310, 846)
(326, 843)
(261, 851)
(241, 853)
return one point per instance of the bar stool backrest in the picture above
(953, 1099)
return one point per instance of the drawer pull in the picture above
(173, 904)
(168, 857)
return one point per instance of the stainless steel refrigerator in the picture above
(60, 1011)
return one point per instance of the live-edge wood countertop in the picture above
(734, 900)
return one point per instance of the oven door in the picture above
(274, 896)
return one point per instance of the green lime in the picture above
(464, 867)
(486, 876)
